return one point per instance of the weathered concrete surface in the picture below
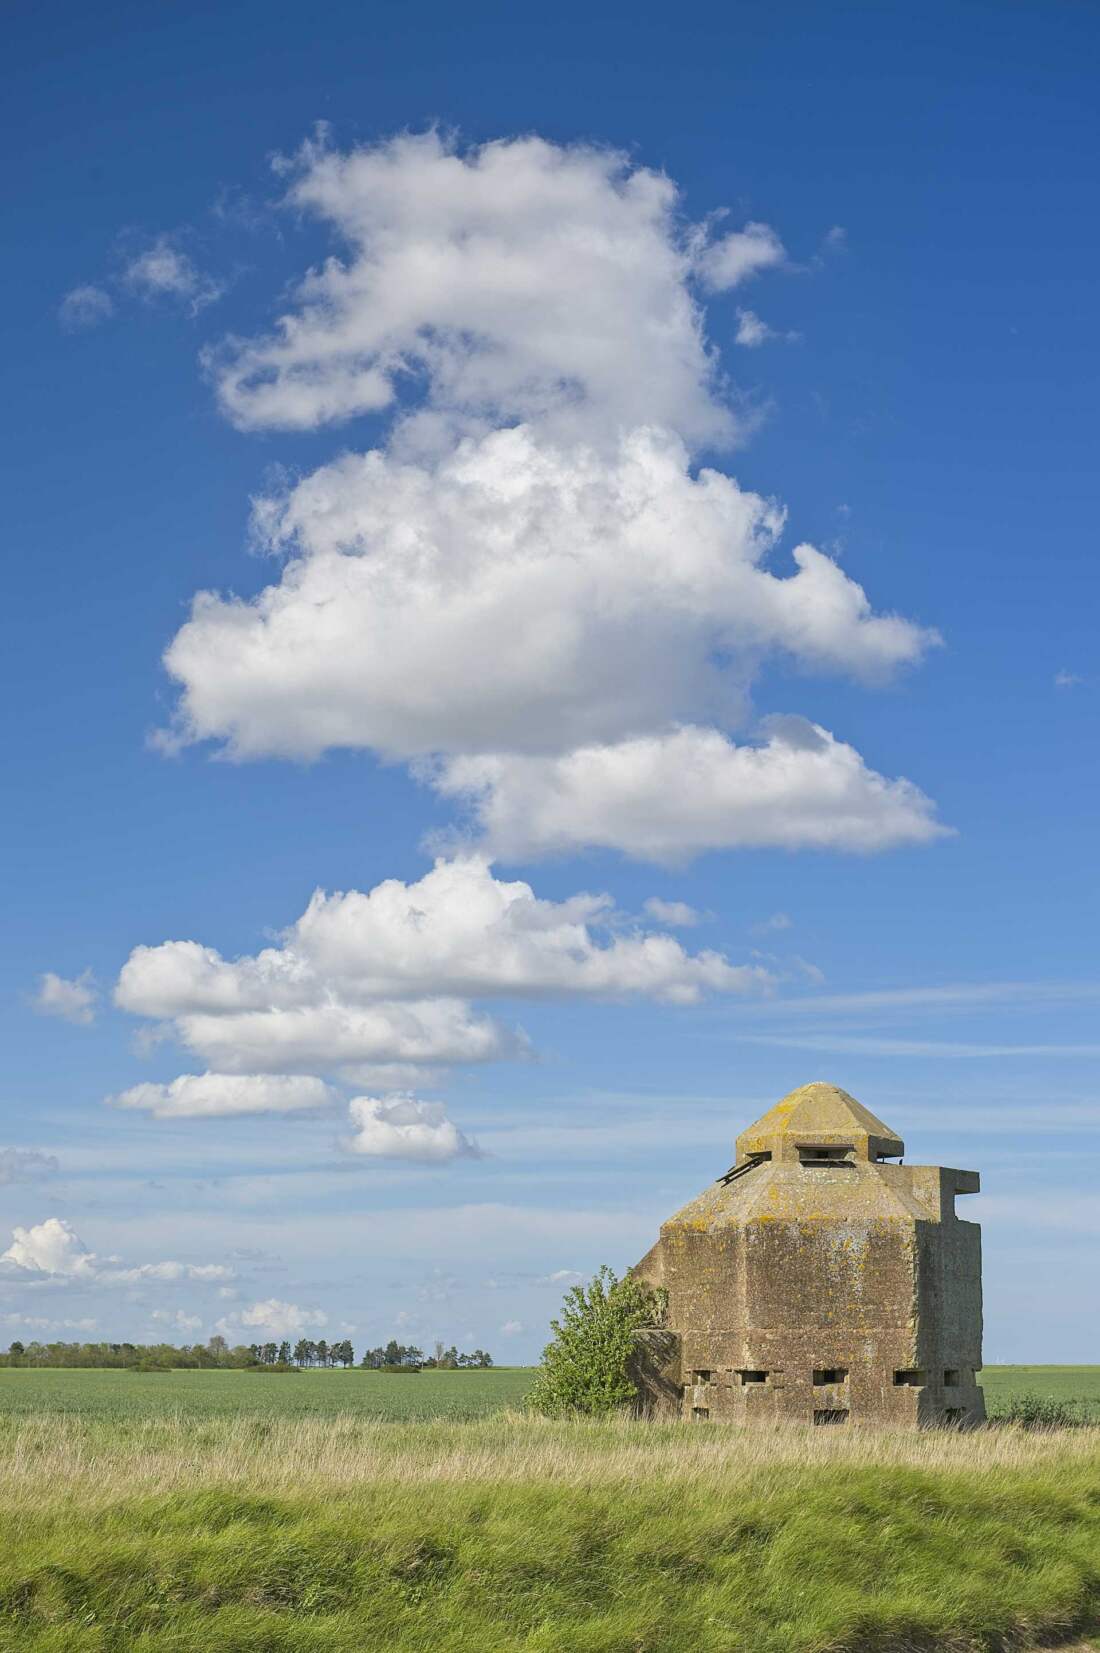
(817, 1282)
(657, 1372)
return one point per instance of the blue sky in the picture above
(609, 290)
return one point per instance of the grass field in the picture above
(130, 1520)
(474, 1394)
(105, 1394)
(1080, 1384)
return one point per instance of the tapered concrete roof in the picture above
(820, 1115)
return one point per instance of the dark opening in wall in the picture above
(700, 1412)
(912, 1379)
(702, 1377)
(830, 1374)
(809, 1154)
(951, 1377)
(747, 1165)
(753, 1376)
(831, 1414)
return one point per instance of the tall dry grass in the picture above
(333, 1535)
(48, 1456)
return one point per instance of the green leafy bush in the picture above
(585, 1368)
(1033, 1411)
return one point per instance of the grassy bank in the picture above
(253, 1533)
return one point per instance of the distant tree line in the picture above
(450, 1359)
(304, 1353)
(218, 1355)
(393, 1354)
(212, 1355)
(408, 1355)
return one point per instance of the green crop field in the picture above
(473, 1394)
(348, 1511)
(1078, 1384)
(114, 1394)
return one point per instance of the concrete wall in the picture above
(800, 1293)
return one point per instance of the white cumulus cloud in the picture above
(460, 929)
(663, 797)
(743, 253)
(368, 979)
(203, 1095)
(404, 1127)
(52, 1250)
(523, 280)
(532, 316)
(597, 595)
(73, 1000)
(279, 1318)
(354, 1041)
